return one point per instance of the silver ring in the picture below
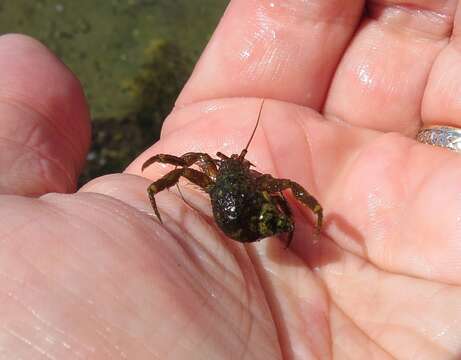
(443, 136)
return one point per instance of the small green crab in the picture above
(247, 205)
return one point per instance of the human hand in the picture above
(92, 275)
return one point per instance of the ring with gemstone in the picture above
(443, 136)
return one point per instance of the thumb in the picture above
(44, 121)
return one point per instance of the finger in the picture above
(441, 103)
(386, 198)
(381, 79)
(285, 50)
(385, 308)
(44, 127)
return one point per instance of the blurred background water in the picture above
(131, 56)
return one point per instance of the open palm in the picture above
(93, 275)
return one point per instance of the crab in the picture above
(247, 205)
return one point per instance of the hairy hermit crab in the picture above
(247, 205)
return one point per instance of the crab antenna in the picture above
(244, 151)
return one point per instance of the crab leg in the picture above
(220, 155)
(272, 185)
(203, 160)
(198, 178)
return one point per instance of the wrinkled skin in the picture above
(91, 274)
